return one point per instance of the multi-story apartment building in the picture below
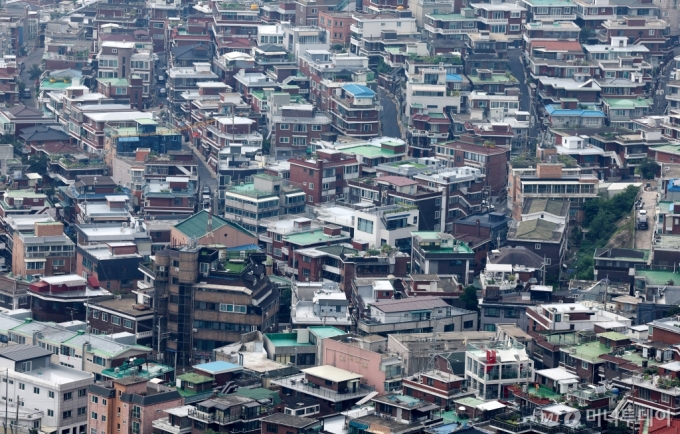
(567, 183)
(463, 193)
(371, 33)
(182, 79)
(553, 10)
(307, 12)
(123, 60)
(355, 111)
(501, 17)
(491, 161)
(490, 374)
(449, 25)
(324, 179)
(441, 253)
(267, 196)
(293, 126)
(44, 394)
(568, 316)
(199, 321)
(141, 402)
(23, 202)
(299, 39)
(649, 31)
(46, 251)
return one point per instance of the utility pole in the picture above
(16, 423)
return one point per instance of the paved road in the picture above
(33, 58)
(517, 69)
(388, 115)
(643, 238)
(205, 176)
(660, 104)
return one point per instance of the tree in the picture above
(35, 72)
(620, 428)
(469, 297)
(675, 310)
(37, 163)
(647, 169)
(21, 85)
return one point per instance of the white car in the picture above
(642, 212)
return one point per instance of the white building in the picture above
(569, 316)
(49, 396)
(391, 224)
(428, 89)
(319, 304)
(490, 367)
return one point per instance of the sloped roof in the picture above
(517, 255)
(21, 110)
(44, 133)
(197, 225)
(551, 206)
(537, 229)
(20, 352)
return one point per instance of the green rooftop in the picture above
(658, 278)
(408, 163)
(469, 401)
(313, 237)
(543, 392)
(369, 151)
(670, 148)
(453, 417)
(286, 340)
(24, 193)
(494, 78)
(146, 121)
(116, 82)
(637, 359)
(627, 104)
(613, 336)
(326, 332)
(590, 352)
(249, 190)
(148, 371)
(194, 378)
(57, 85)
(259, 393)
(197, 225)
(460, 247)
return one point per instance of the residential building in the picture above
(23, 202)
(220, 315)
(491, 368)
(301, 347)
(320, 304)
(335, 389)
(568, 183)
(45, 251)
(568, 316)
(140, 400)
(491, 161)
(354, 112)
(441, 253)
(56, 396)
(62, 298)
(19, 117)
(329, 172)
(280, 423)
(412, 315)
(543, 237)
(121, 317)
(502, 17)
(182, 79)
(435, 386)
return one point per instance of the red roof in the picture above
(558, 45)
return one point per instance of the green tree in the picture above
(675, 310)
(647, 169)
(469, 297)
(21, 85)
(37, 163)
(34, 72)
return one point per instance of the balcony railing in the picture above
(295, 382)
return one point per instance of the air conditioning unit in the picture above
(177, 269)
(161, 268)
(195, 330)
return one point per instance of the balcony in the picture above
(493, 20)
(295, 382)
(441, 31)
(330, 269)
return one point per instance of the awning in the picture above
(366, 398)
(499, 268)
(35, 260)
(492, 405)
(428, 407)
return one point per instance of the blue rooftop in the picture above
(218, 367)
(359, 91)
(453, 77)
(245, 248)
(556, 110)
(673, 185)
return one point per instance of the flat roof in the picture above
(332, 373)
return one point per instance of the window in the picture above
(664, 397)
(537, 247)
(94, 415)
(468, 324)
(95, 400)
(68, 396)
(272, 427)
(82, 393)
(82, 411)
(584, 364)
(364, 225)
(284, 127)
(516, 14)
(115, 320)
(66, 415)
(311, 186)
(437, 214)
(284, 139)
(514, 27)
(310, 198)
(316, 127)
(492, 312)
(651, 32)
(50, 394)
(50, 413)
(127, 323)
(36, 390)
(22, 386)
(105, 317)
(95, 314)
(136, 411)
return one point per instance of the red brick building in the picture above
(337, 24)
(323, 179)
